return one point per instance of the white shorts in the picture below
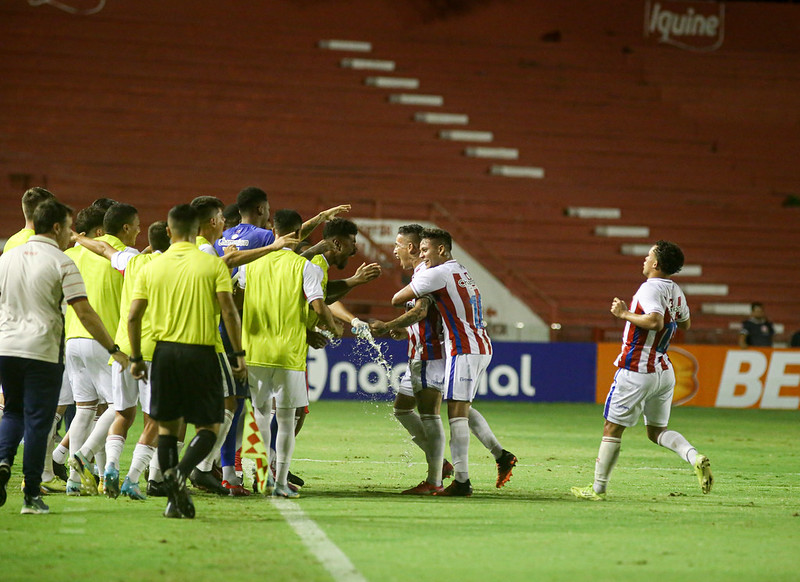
(89, 371)
(422, 374)
(225, 370)
(288, 387)
(633, 394)
(65, 396)
(463, 374)
(127, 391)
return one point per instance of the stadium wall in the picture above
(706, 376)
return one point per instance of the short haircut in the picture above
(32, 198)
(286, 221)
(232, 216)
(755, 304)
(117, 216)
(104, 203)
(49, 213)
(439, 235)
(669, 257)
(249, 198)
(157, 236)
(412, 231)
(89, 219)
(207, 207)
(183, 220)
(339, 227)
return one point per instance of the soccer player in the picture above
(210, 214)
(34, 280)
(30, 201)
(279, 289)
(422, 383)
(644, 382)
(468, 349)
(337, 246)
(127, 391)
(185, 291)
(87, 363)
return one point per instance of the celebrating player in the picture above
(645, 379)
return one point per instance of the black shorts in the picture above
(186, 382)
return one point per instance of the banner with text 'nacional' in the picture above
(540, 372)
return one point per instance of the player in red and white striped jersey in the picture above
(423, 382)
(645, 380)
(468, 349)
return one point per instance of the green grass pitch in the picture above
(655, 525)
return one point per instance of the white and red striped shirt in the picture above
(425, 337)
(643, 350)
(459, 303)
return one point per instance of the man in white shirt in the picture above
(34, 280)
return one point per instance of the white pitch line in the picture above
(321, 547)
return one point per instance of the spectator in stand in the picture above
(756, 331)
(795, 342)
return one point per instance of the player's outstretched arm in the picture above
(98, 247)
(237, 258)
(649, 321)
(412, 316)
(318, 249)
(324, 216)
(94, 325)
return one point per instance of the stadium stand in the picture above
(159, 102)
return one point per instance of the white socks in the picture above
(78, 430)
(48, 456)
(206, 464)
(114, 445)
(284, 444)
(60, 454)
(480, 428)
(142, 455)
(434, 455)
(674, 441)
(459, 447)
(606, 459)
(97, 438)
(412, 422)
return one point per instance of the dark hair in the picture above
(104, 203)
(183, 219)
(669, 257)
(89, 219)
(157, 236)
(755, 304)
(439, 235)
(339, 227)
(286, 221)
(412, 231)
(207, 207)
(249, 198)
(117, 216)
(232, 216)
(47, 214)
(32, 198)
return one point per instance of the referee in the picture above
(185, 290)
(35, 278)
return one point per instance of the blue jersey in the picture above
(244, 236)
